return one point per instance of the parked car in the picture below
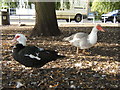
(12, 11)
(90, 16)
(76, 13)
(111, 16)
(118, 17)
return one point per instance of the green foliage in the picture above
(30, 3)
(6, 4)
(104, 7)
(57, 5)
(90, 4)
(0, 5)
(13, 4)
(67, 4)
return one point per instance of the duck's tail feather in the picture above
(68, 38)
(61, 56)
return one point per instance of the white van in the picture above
(77, 14)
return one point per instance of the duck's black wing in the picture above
(32, 56)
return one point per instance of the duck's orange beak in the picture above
(13, 42)
(102, 30)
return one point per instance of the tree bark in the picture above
(46, 22)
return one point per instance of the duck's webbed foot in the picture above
(84, 52)
(79, 51)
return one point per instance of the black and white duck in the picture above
(32, 56)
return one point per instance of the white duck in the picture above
(83, 40)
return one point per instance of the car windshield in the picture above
(113, 12)
(91, 13)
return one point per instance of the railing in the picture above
(30, 19)
(114, 19)
(22, 19)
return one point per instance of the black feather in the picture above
(22, 55)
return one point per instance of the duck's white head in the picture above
(20, 38)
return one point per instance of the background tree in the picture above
(104, 7)
(13, 4)
(57, 5)
(4, 4)
(67, 4)
(9, 4)
(46, 22)
(0, 5)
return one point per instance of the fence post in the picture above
(114, 19)
(82, 19)
(19, 20)
(69, 18)
(104, 19)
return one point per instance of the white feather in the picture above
(41, 49)
(19, 84)
(32, 56)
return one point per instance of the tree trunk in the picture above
(46, 22)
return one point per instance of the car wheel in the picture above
(102, 21)
(112, 21)
(78, 17)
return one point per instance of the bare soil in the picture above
(99, 69)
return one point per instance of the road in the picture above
(32, 21)
(63, 23)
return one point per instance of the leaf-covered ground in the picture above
(99, 69)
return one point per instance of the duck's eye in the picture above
(17, 37)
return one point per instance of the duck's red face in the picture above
(100, 28)
(19, 38)
(16, 38)
(14, 41)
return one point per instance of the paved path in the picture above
(88, 24)
(63, 23)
